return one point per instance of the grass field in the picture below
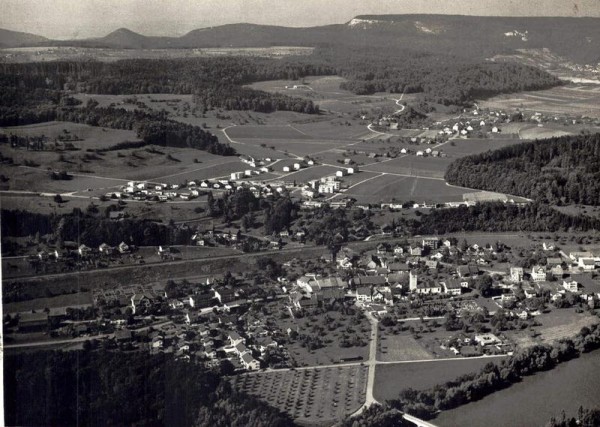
(406, 188)
(433, 167)
(571, 99)
(68, 300)
(390, 379)
(310, 396)
(393, 348)
(266, 132)
(86, 136)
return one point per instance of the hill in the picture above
(17, 39)
(561, 170)
(467, 36)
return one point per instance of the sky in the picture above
(66, 19)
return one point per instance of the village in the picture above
(453, 298)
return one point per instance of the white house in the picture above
(538, 273)
(570, 286)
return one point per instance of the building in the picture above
(33, 322)
(140, 302)
(571, 286)
(413, 281)
(468, 270)
(431, 243)
(516, 274)
(588, 264)
(487, 339)
(452, 287)
(538, 273)
(363, 294)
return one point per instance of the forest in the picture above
(101, 387)
(563, 170)
(497, 217)
(442, 79)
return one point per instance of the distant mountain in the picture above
(469, 36)
(17, 39)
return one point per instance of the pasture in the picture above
(406, 188)
(576, 99)
(80, 135)
(394, 348)
(392, 378)
(266, 132)
(430, 167)
(309, 396)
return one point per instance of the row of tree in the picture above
(556, 170)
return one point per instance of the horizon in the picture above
(46, 18)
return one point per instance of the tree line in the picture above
(561, 170)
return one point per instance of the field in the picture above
(558, 324)
(575, 99)
(68, 300)
(393, 348)
(310, 396)
(406, 188)
(390, 379)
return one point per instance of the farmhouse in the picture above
(538, 273)
(452, 287)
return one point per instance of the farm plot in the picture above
(430, 167)
(311, 396)
(390, 379)
(311, 173)
(394, 348)
(536, 132)
(579, 100)
(293, 147)
(465, 147)
(406, 188)
(266, 132)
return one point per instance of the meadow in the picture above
(392, 378)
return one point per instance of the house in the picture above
(225, 295)
(452, 287)
(105, 249)
(431, 264)
(548, 246)
(249, 362)
(516, 274)
(588, 264)
(428, 288)
(571, 286)
(487, 339)
(123, 248)
(538, 273)
(381, 249)
(363, 294)
(84, 250)
(557, 271)
(398, 267)
(235, 339)
(431, 243)
(415, 250)
(201, 300)
(398, 250)
(263, 344)
(307, 303)
(468, 270)
(140, 302)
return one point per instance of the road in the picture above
(46, 343)
(372, 364)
